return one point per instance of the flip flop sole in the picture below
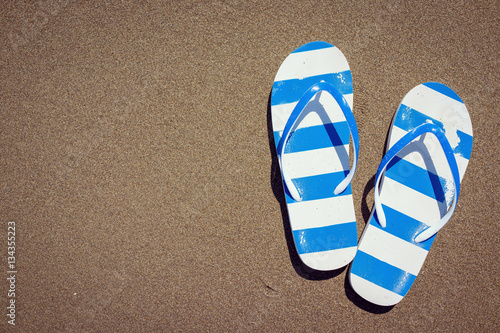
(416, 192)
(317, 155)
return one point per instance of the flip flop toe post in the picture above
(312, 122)
(416, 191)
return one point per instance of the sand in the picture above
(137, 164)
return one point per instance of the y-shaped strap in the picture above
(403, 142)
(292, 124)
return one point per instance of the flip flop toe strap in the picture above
(296, 117)
(394, 150)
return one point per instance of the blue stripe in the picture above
(382, 274)
(289, 91)
(464, 148)
(316, 137)
(402, 226)
(319, 187)
(328, 238)
(417, 178)
(441, 88)
(313, 46)
(408, 119)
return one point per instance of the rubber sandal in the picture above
(312, 122)
(416, 190)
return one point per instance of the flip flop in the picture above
(416, 190)
(312, 122)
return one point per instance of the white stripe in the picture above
(447, 110)
(311, 63)
(429, 147)
(372, 292)
(316, 162)
(281, 113)
(329, 260)
(410, 202)
(321, 212)
(393, 250)
(462, 163)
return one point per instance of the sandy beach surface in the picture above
(137, 164)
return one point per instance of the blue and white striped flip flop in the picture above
(416, 191)
(312, 121)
